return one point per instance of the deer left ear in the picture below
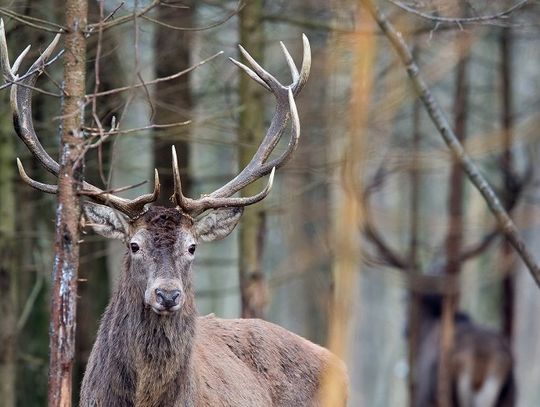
(218, 224)
(106, 221)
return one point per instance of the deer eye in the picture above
(134, 247)
(191, 249)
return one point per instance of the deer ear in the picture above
(217, 224)
(106, 221)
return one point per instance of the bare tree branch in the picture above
(223, 20)
(144, 84)
(33, 22)
(460, 20)
(123, 19)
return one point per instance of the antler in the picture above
(259, 165)
(21, 106)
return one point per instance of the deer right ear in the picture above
(106, 221)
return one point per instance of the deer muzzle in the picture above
(164, 298)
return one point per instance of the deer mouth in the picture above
(160, 310)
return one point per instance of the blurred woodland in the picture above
(370, 230)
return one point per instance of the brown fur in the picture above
(144, 359)
(479, 354)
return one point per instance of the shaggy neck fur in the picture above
(159, 346)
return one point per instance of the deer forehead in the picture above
(164, 226)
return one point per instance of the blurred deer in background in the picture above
(481, 361)
(152, 349)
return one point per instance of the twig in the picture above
(27, 74)
(33, 22)
(34, 88)
(153, 82)
(112, 191)
(95, 132)
(230, 15)
(460, 20)
(112, 13)
(441, 122)
(31, 299)
(123, 19)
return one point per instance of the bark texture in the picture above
(66, 263)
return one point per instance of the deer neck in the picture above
(160, 348)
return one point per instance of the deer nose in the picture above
(168, 298)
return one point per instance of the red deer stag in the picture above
(481, 362)
(152, 349)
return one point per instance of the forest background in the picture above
(371, 202)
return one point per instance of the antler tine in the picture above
(209, 202)
(251, 73)
(269, 82)
(195, 207)
(133, 208)
(292, 66)
(306, 66)
(265, 76)
(38, 64)
(18, 61)
(4, 54)
(186, 204)
(40, 186)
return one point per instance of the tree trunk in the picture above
(454, 238)
(173, 101)
(251, 129)
(132, 157)
(413, 318)
(507, 166)
(9, 266)
(348, 215)
(66, 264)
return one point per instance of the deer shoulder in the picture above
(289, 368)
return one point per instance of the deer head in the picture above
(161, 242)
